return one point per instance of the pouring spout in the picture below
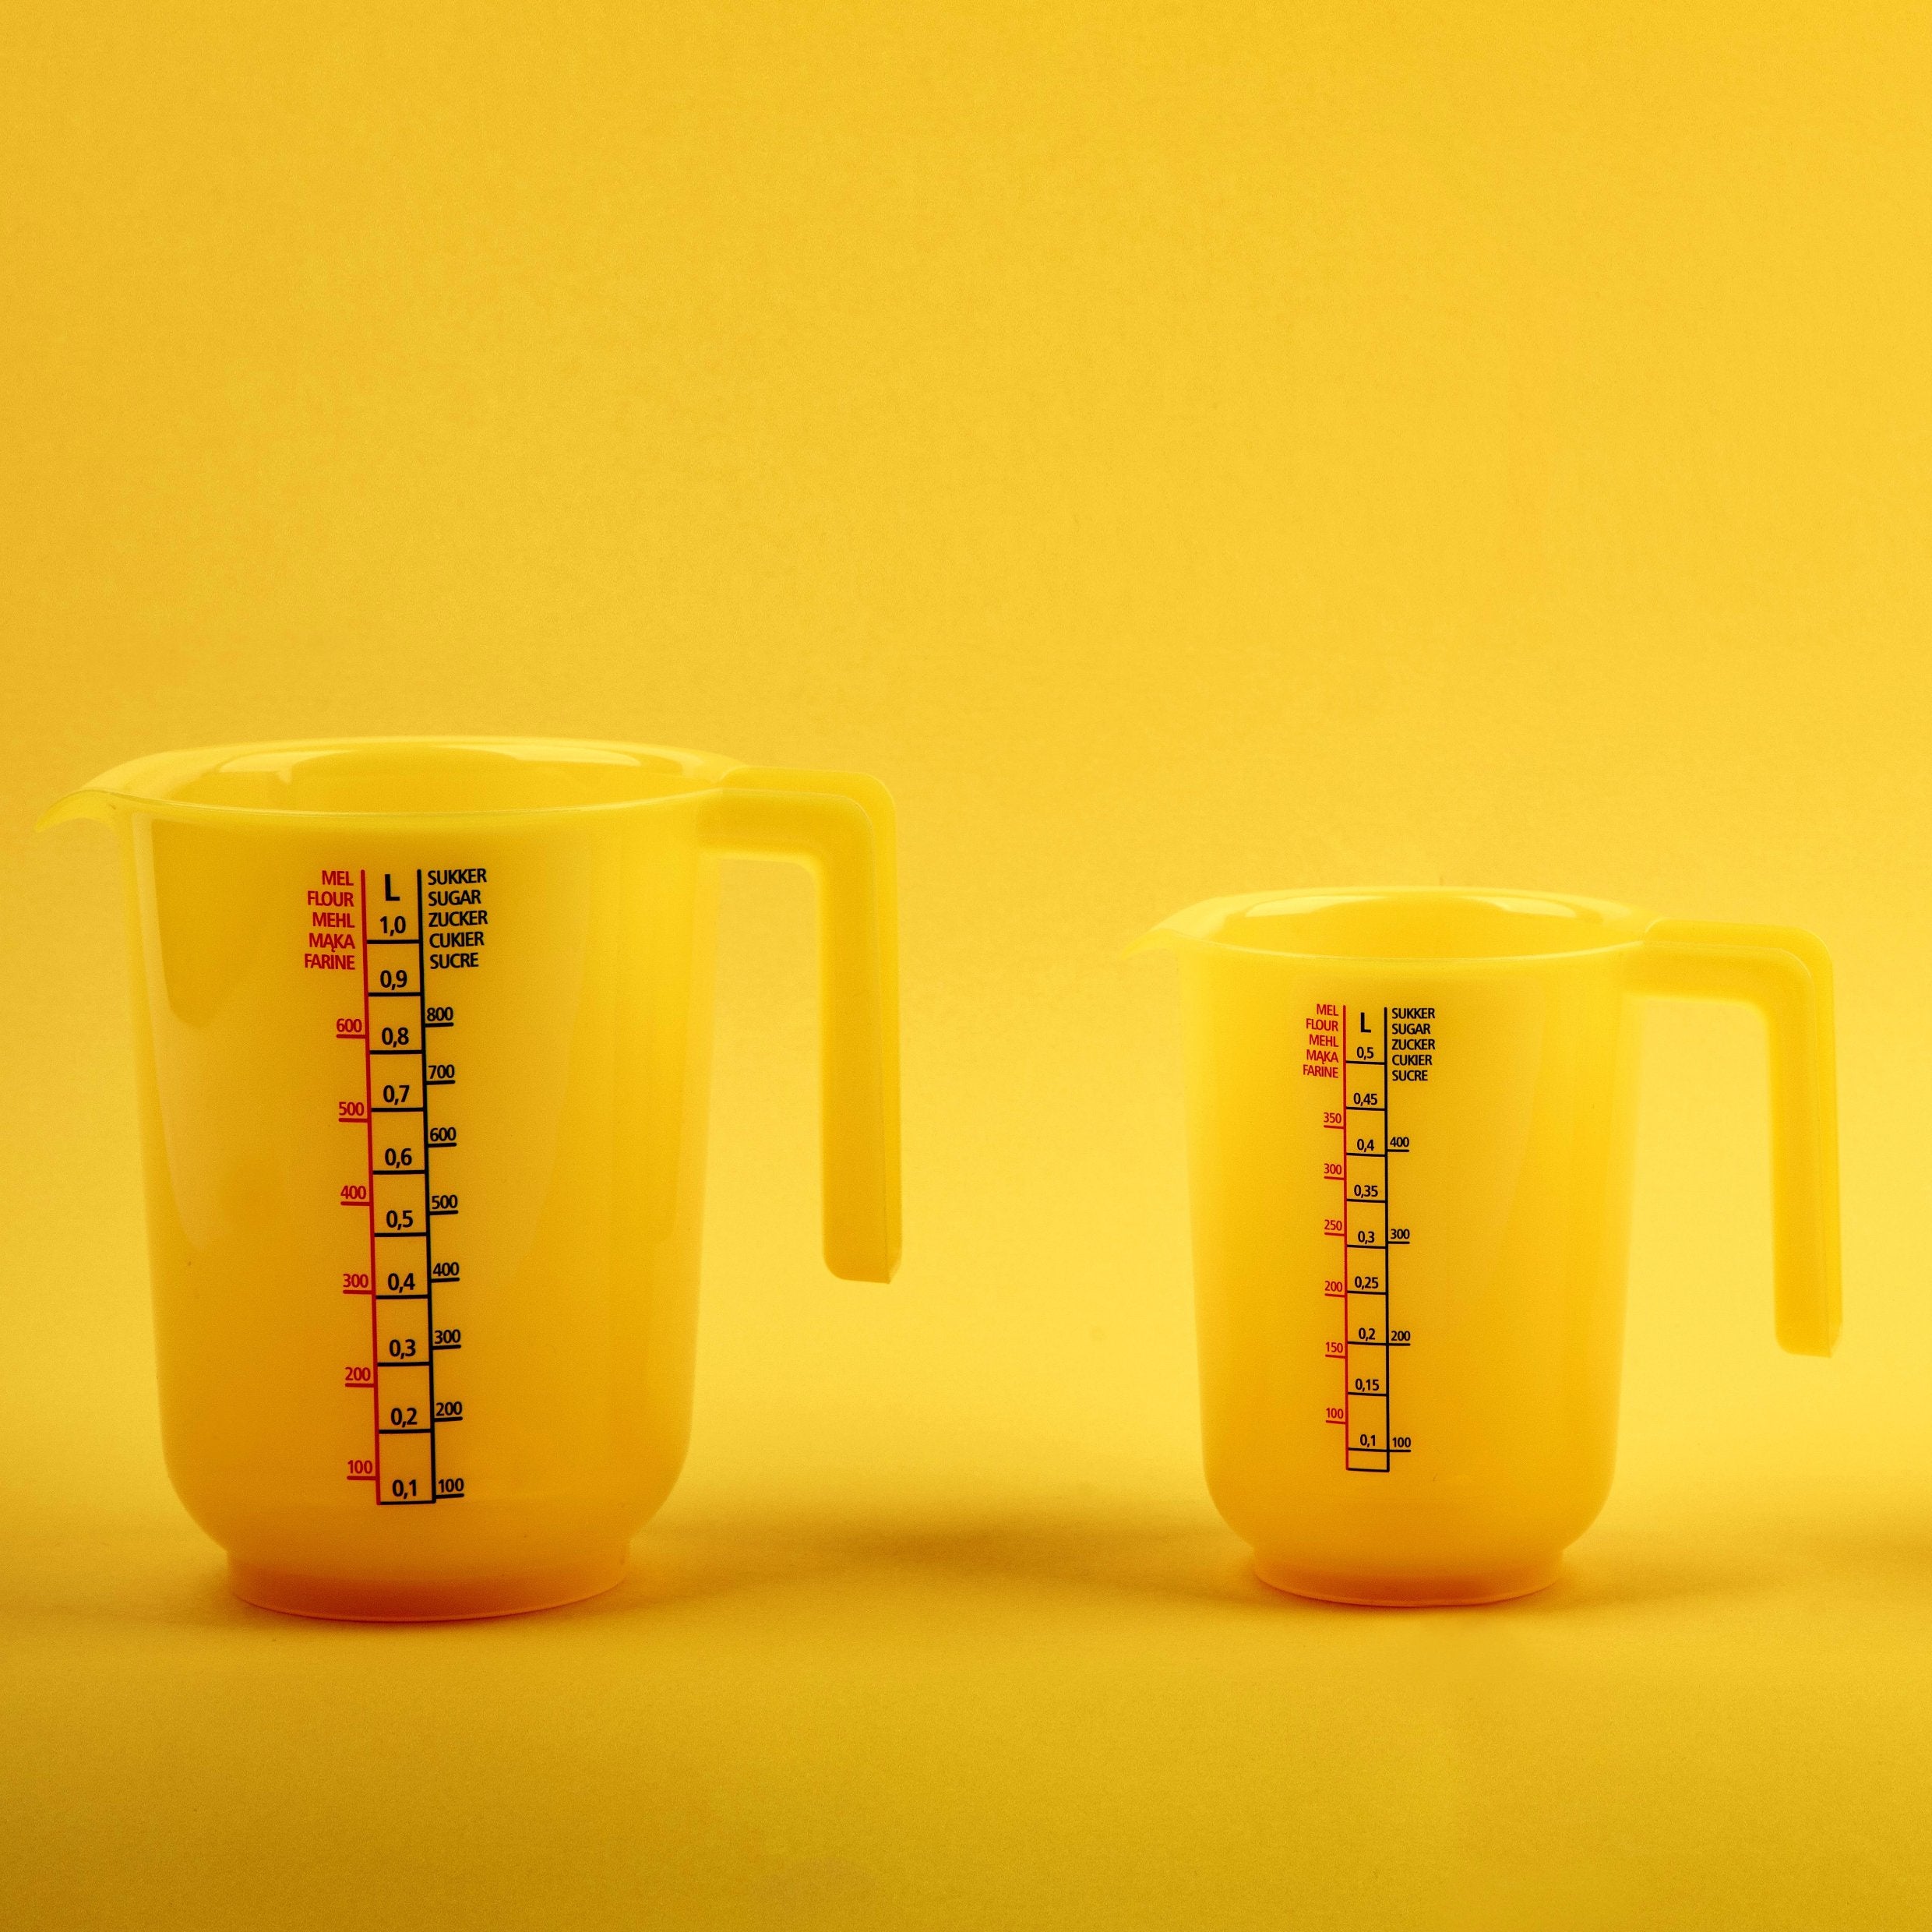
(89, 802)
(1161, 938)
(1180, 931)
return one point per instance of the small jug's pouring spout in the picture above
(1194, 923)
(1159, 939)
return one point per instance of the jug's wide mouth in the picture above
(1431, 923)
(407, 777)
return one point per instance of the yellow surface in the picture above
(1410, 1120)
(422, 1043)
(1180, 451)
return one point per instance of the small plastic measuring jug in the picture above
(1411, 1123)
(423, 1033)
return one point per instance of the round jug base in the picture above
(361, 1600)
(1408, 1593)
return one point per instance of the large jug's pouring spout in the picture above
(90, 802)
(112, 796)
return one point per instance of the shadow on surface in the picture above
(1889, 1555)
(1616, 1574)
(112, 1570)
(1153, 1560)
(148, 1573)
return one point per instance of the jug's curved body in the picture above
(1412, 1122)
(1505, 1210)
(423, 1098)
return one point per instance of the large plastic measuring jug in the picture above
(423, 1038)
(1411, 1128)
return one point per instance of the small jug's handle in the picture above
(1787, 975)
(841, 825)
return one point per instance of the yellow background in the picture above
(1180, 449)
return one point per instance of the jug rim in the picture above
(1204, 924)
(144, 784)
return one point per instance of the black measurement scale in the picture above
(1369, 1235)
(402, 1138)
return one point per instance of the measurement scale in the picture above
(1354, 1044)
(399, 1192)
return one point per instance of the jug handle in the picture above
(841, 825)
(1786, 974)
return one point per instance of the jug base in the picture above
(1400, 1593)
(365, 1600)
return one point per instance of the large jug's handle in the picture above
(841, 825)
(1787, 975)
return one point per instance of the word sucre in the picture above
(1412, 1047)
(456, 916)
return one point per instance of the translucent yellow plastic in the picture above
(423, 1039)
(1411, 1120)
